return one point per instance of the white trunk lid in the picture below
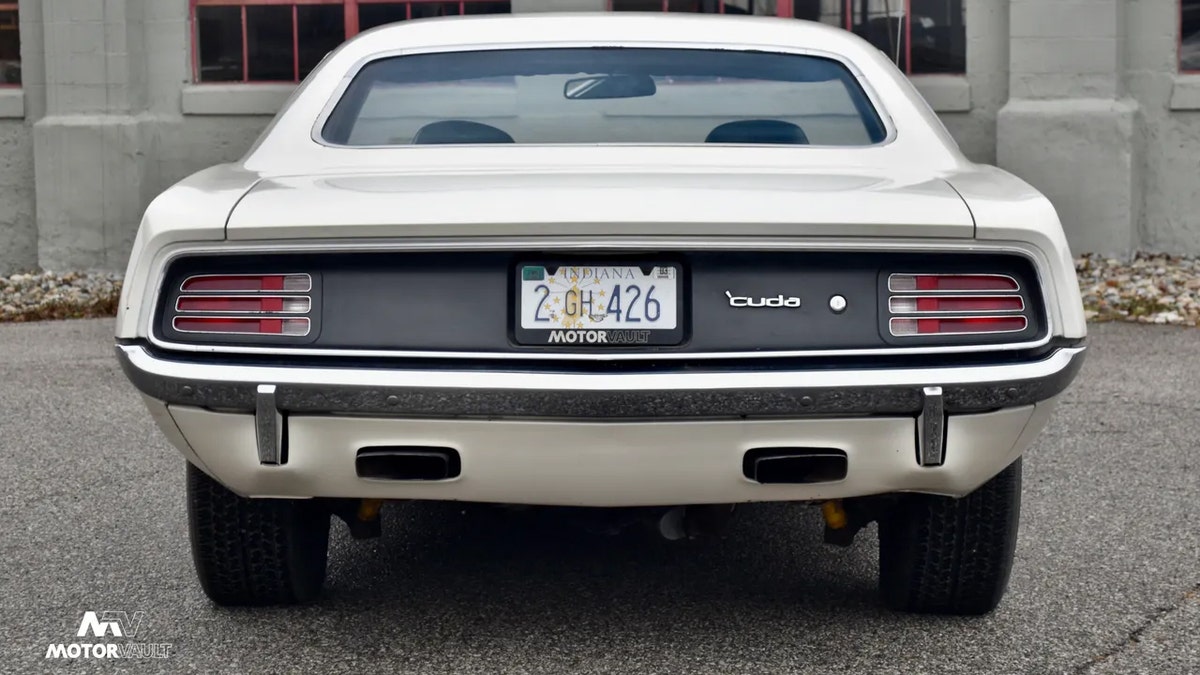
(601, 203)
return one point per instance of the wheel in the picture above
(255, 551)
(943, 555)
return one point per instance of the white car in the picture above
(667, 262)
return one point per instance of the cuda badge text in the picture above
(775, 302)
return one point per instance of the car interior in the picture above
(772, 132)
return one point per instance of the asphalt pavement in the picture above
(1107, 576)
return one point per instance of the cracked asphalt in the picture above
(1107, 576)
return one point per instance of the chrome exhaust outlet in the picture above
(408, 463)
(795, 465)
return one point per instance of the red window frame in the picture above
(784, 9)
(351, 24)
(12, 7)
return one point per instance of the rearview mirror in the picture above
(609, 86)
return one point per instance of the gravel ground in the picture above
(1152, 288)
(53, 295)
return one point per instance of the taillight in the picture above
(246, 283)
(241, 325)
(952, 282)
(245, 304)
(942, 304)
(955, 304)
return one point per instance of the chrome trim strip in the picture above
(892, 289)
(243, 296)
(268, 425)
(931, 312)
(574, 395)
(307, 325)
(955, 318)
(931, 428)
(552, 244)
(306, 289)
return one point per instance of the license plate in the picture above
(598, 305)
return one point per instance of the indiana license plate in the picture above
(598, 305)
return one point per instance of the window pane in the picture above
(637, 5)
(939, 34)
(582, 95)
(755, 7)
(1189, 32)
(377, 14)
(219, 34)
(322, 28)
(10, 47)
(269, 42)
(425, 10)
(489, 7)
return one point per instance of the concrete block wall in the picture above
(1080, 97)
(1068, 127)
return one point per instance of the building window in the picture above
(757, 7)
(283, 40)
(921, 36)
(10, 45)
(1189, 35)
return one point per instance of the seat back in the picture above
(448, 132)
(758, 131)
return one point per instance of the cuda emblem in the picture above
(775, 302)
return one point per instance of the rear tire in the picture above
(942, 555)
(255, 551)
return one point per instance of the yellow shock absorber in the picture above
(835, 515)
(368, 509)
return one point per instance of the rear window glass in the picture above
(604, 95)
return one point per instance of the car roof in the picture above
(608, 27)
(290, 145)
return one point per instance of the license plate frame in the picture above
(588, 336)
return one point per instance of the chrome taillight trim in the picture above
(241, 296)
(893, 320)
(156, 278)
(307, 288)
(243, 317)
(893, 289)
(956, 295)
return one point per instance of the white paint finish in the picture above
(944, 93)
(716, 200)
(235, 99)
(12, 103)
(1185, 92)
(891, 190)
(172, 218)
(602, 464)
(1007, 208)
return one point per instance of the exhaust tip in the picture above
(795, 465)
(408, 462)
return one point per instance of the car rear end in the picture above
(624, 325)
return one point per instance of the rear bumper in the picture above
(598, 439)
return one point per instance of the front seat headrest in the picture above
(449, 132)
(775, 132)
